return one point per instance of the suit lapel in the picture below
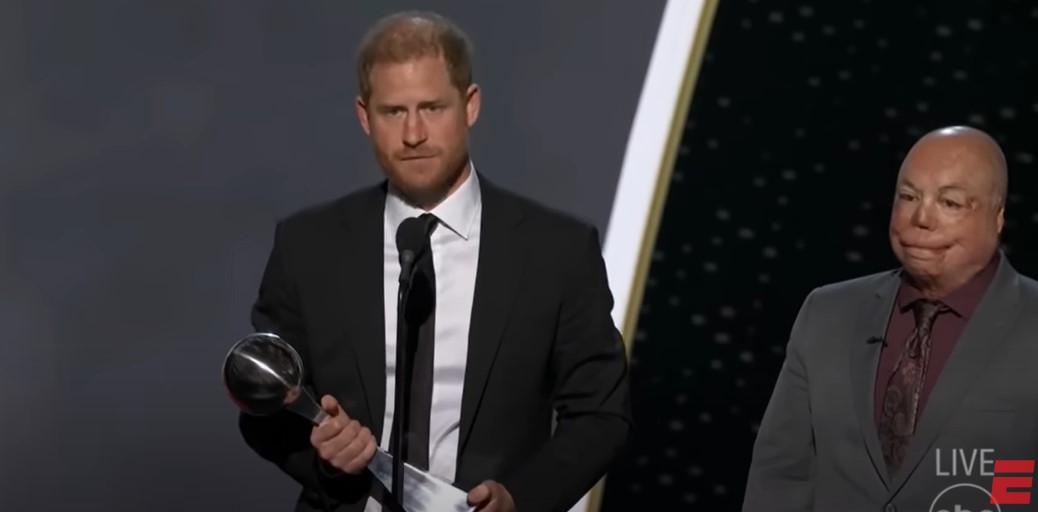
(870, 328)
(359, 276)
(501, 259)
(984, 334)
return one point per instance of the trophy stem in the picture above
(307, 407)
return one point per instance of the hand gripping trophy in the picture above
(263, 375)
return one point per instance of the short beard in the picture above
(427, 199)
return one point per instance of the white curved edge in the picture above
(646, 149)
(643, 158)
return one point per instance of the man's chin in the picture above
(420, 193)
(921, 274)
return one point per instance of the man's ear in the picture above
(473, 100)
(362, 115)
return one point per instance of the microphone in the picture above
(410, 242)
(410, 236)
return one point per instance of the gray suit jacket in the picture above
(818, 448)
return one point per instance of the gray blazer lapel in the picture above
(984, 334)
(866, 345)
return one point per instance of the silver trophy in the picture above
(264, 375)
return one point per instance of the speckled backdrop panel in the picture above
(784, 181)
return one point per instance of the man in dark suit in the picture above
(519, 333)
(900, 389)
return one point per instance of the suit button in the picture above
(890, 508)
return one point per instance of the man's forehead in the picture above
(410, 98)
(424, 66)
(952, 151)
(943, 177)
(410, 85)
(961, 165)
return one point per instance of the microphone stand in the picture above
(403, 377)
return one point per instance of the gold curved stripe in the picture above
(659, 196)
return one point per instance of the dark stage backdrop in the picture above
(784, 182)
(146, 150)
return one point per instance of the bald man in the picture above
(901, 389)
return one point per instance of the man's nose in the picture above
(923, 216)
(414, 130)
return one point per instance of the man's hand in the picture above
(341, 441)
(491, 496)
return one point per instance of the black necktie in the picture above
(421, 315)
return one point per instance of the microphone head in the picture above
(409, 236)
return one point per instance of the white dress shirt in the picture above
(455, 251)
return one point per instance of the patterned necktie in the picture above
(901, 412)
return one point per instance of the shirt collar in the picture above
(457, 212)
(963, 301)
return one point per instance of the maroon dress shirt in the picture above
(946, 331)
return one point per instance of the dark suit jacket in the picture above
(541, 340)
(818, 448)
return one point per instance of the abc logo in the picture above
(964, 497)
